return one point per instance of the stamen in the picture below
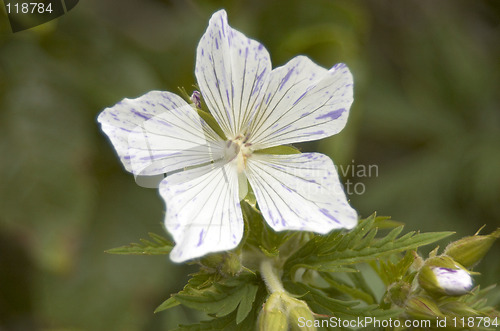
(196, 99)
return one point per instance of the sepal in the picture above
(421, 307)
(273, 316)
(470, 250)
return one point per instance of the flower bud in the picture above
(301, 314)
(273, 317)
(231, 265)
(441, 275)
(297, 310)
(422, 308)
(470, 250)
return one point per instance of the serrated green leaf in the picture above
(246, 303)
(320, 303)
(335, 251)
(222, 297)
(343, 287)
(346, 257)
(367, 240)
(391, 272)
(167, 304)
(337, 240)
(230, 322)
(385, 222)
(360, 283)
(389, 238)
(279, 150)
(159, 246)
(260, 234)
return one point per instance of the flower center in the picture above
(239, 150)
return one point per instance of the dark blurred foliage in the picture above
(426, 112)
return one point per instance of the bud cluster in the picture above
(442, 282)
(282, 312)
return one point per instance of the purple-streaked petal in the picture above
(300, 192)
(303, 102)
(232, 72)
(159, 133)
(453, 281)
(203, 210)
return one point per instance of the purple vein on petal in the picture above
(135, 112)
(258, 81)
(327, 214)
(286, 78)
(200, 241)
(300, 98)
(333, 115)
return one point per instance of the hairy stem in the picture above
(271, 276)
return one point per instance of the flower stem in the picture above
(271, 276)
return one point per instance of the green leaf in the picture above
(321, 303)
(391, 272)
(260, 234)
(225, 323)
(385, 222)
(220, 297)
(360, 283)
(235, 320)
(280, 150)
(158, 246)
(346, 288)
(246, 303)
(167, 304)
(336, 250)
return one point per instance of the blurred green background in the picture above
(426, 113)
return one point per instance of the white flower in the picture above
(256, 108)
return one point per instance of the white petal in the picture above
(203, 210)
(303, 102)
(159, 133)
(300, 192)
(453, 281)
(232, 72)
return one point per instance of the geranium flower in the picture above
(256, 108)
